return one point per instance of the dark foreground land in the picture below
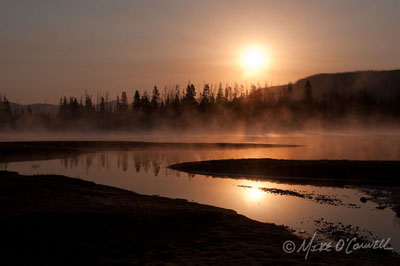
(330, 172)
(53, 220)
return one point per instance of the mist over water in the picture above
(350, 144)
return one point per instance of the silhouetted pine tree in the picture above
(29, 110)
(89, 108)
(308, 93)
(189, 98)
(145, 103)
(176, 104)
(136, 105)
(102, 106)
(205, 98)
(220, 94)
(63, 108)
(5, 110)
(122, 105)
(155, 98)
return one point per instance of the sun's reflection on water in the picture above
(254, 194)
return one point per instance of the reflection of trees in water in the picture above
(118, 161)
(122, 160)
(137, 161)
(3, 166)
(64, 162)
(89, 161)
(147, 160)
(103, 159)
(75, 161)
(71, 162)
(141, 159)
(156, 168)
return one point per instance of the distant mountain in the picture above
(45, 108)
(381, 84)
(37, 108)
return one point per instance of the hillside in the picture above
(37, 108)
(383, 85)
(45, 108)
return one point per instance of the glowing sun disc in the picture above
(253, 59)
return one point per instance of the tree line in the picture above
(221, 106)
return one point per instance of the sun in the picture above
(253, 59)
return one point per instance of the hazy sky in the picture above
(52, 48)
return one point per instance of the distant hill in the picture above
(37, 108)
(45, 108)
(381, 84)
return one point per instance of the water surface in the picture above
(145, 171)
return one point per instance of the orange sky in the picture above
(53, 48)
